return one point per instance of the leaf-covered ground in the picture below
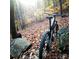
(34, 33)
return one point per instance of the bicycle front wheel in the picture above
(42, 49)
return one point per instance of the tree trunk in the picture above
(12, 20)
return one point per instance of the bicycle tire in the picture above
(42, 44)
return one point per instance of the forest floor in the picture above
(34, 33)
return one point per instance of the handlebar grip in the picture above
(49, 17)
(64, 15)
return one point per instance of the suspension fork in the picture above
(50, 34)
(49, 40)
(50, 29)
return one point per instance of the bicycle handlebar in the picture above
(54, 15)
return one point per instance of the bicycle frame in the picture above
(52, 27)
(52, 24)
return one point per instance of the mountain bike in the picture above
(48, 36)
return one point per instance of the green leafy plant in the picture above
(63, 37)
